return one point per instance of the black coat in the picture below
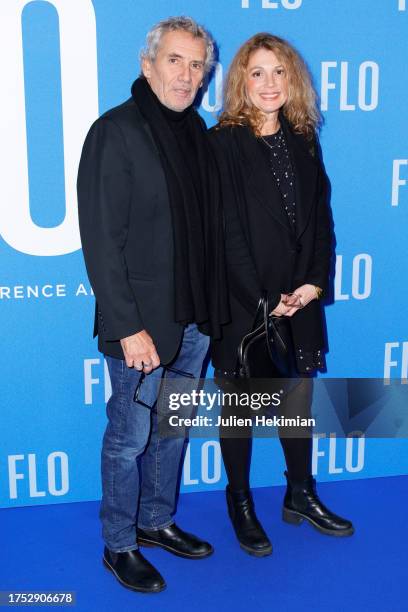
(126, 231)
(263, 251)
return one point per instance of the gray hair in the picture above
(173, 24)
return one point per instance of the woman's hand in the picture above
(299, 299)
(282, 308)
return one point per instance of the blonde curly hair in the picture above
(300, 109)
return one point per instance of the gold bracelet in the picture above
(319, 292)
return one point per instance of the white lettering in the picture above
(388, 362)
(216, 462)
(216, 82)
(396, 180)
(316, 453)
(360, 453)
(32, 477)
(332, 456)
(344, 106)
(108, 384)
(362, 86)
(362, 271)
(78, 73)
(88, 380)
(81, 290)
(367, 271)
(32, 291)
(338, 277)
(4, 292)
(45, 291)
(63, 473)
(270, 4)
(52, 459)
(291, 4)
(392, 363)
(13, 474)
(19, 292)
(404, 363)
(332, 453)
(366, 101)
(326, 85)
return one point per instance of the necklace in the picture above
(278, 137)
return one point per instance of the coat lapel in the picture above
(156, 172)
(256, 169)
(305, 169)
(149, 135)
(258, 175)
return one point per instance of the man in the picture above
(151, 233)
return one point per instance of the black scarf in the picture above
(195, 202)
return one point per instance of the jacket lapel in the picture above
(151, 153)
(258, 175)
(149, 135)
(305, 169)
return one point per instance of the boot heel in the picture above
(291, 517)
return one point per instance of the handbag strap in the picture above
(262, 307)
(269, 323)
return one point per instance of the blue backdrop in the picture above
(64, 62)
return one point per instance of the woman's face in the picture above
(266, 81)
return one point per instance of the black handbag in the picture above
(267, 351)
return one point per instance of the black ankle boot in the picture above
(302, 502)
(251, 536)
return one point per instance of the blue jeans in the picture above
(141, 467)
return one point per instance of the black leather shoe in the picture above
(249, 531)
(134, 571)
(176, 541)
(302, 502)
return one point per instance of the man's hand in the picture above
(299, 298)
(140, 352)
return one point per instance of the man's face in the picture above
(178, 70)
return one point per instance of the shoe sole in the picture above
(129, 586)
(256, 553)
(153, 544)
(296, 518)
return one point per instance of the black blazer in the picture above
(263, 251)
(126, 232)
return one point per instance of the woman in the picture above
(278, 239)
